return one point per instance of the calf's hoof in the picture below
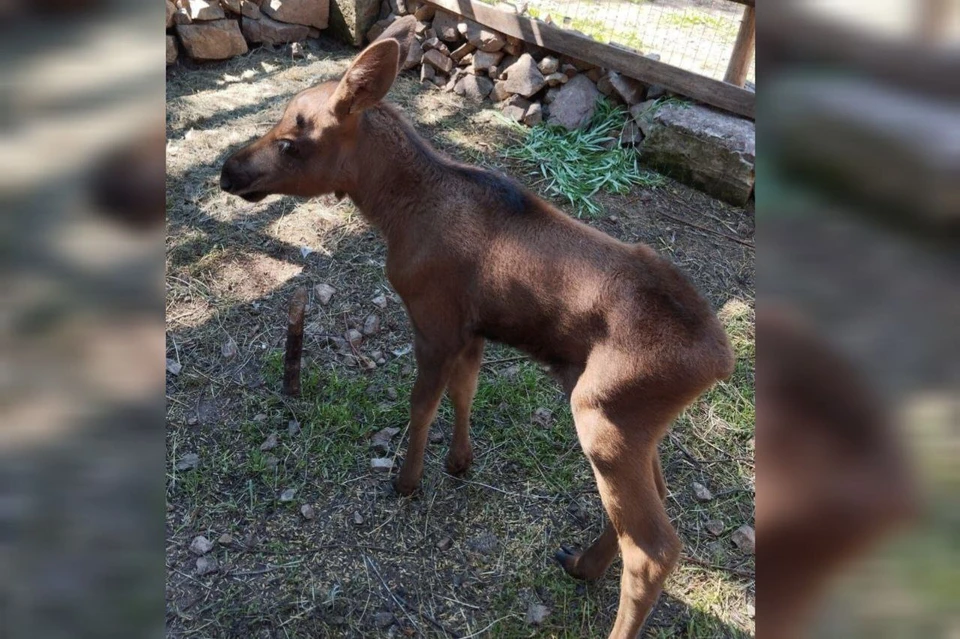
(459, 464)
(568, 560)
(405, 488)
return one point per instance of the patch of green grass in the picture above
(691, 20)
(576, 165)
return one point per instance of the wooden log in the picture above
(294, 349)
(707, 90)
(743, 49)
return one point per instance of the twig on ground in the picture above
(707, 230)
(734, 571)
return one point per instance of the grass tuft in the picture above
(576, 165)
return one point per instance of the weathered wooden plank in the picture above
(707, 90)
(743, 49)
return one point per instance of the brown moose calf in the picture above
(474, 256)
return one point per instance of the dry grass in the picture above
(368, 563)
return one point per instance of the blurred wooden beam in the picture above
(743, 49)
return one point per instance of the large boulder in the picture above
(269, 31)
(313, 13)
(216, 40)
(708, 149)
(171, 9)
(575, 104)
(351, 19)
(523, 77)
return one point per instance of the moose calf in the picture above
(474, 256)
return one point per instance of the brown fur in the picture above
(476, 257)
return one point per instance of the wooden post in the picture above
(294, 351)
(743, 49)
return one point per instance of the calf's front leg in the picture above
(434, 366)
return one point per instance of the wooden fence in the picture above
(727, 95)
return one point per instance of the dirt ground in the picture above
(465, 557)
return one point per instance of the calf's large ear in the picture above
(403, 30)
(368, 79)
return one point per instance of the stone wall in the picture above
(219, 29)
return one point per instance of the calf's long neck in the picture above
(393, 172)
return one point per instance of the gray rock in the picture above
(474, 87)
(499, 93)
(627, 89)
(536, 614)
(293, 428)
(312, 13)
(381, 464)
(296, 50)
(745, 539)
(533, 117)
(182, 17)
(550, 95)
(460, 52)
(201, 545)
(482, 38)
(188, 462)
(307, 512)
(548, 65)
(542, 417)
(217, 40)
(569, 70)
(705, 148)
(269, 31)
(226, 539)
(604, 85)
(207, 565)
(445, 544)
(382, 438)
(514, 46)
(371, 325)
(515, 113)
(446, 25)
(202, 9)
(631, 134)
(357, 519)
(171, 9)
(353, 337)
(435, 437)
(556, 79)
(483, 60)
(715, 527)
(383, 619)
(400, 7)
(271, 442)
(288, 494)
(575, 104)
(173, 366)
(324, 293)
(231, 5)
(523, 77)
(351, 19)
(414, 55)
(700, 492)
(438, 61)
(427, 73)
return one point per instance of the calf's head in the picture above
(309, 152)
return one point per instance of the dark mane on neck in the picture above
(492, 186)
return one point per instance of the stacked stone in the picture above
(221, 29)
(532, 85)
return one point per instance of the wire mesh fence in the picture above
(696, 35)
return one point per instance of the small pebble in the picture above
(201, 545)
(288, 494)
(307, 511)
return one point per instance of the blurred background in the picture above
(81, 369)
(858, 207)
(859, 201)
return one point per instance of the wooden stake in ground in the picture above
(291, 363)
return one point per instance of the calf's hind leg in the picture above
(622, 463)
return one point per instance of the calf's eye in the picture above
(287, 147)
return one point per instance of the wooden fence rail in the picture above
(707, 90)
